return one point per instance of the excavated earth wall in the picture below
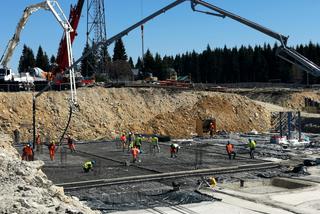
(143, 110)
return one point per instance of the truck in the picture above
(64, 53)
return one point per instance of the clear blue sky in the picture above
(176, 31)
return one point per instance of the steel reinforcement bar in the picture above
(163, 176)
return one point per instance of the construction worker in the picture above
(130, 140)
(24, 153)
(212, 128)
(252, 146)
(88, 165)
(135, 152)
(123, 140)
(174, 148)
(27, 153)
(155, 144)
(230, 150)
(138, 142)
(71, 145)
(52, 150)
(38, 142)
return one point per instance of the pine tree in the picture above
(138, 64)
(42, 60)
(119, 51)
(131, 62)
(52, 60)
(148, 62)
(27, 60)
(88, 64)
(159, 70)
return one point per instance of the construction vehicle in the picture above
(65, 54)
(62, 55)
(6, 74)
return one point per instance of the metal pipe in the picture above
(34, 120)
(168, 175)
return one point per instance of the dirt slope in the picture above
(25, 188)
(292, 99)
(102, 110)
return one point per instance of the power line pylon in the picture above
(96, 32)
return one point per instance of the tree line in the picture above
(217, 65)
(233, 65)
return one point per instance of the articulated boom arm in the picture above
(284, 52)
(56, 10)
(14, 41)
(62, 56)
(63, 21)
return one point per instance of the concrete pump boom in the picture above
(14, 41)
(283, 52)
(54, 7)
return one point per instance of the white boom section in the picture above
(56, 10)
(62, 19)
(12, 44)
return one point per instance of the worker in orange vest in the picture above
(135, 151)
(123, 140)
(24, 153)
(230, 150)
(52, 150)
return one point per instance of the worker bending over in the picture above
(252, 146)
(174, 149)
(230, 150)
(88, 165)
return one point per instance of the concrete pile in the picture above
(24, 188)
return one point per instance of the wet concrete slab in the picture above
(112, 162)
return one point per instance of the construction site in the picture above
(76, 145)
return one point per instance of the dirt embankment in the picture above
(292, 99)
(25, 188)
(167, 112)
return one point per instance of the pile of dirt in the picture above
(292, 99)
(25, 188)
(142, 110)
